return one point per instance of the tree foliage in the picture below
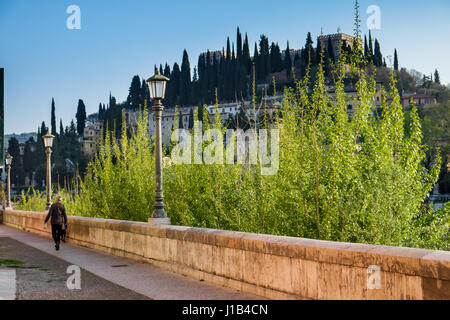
(360, 179)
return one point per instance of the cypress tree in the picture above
(100, 111)
(53, 118)
(134, 93)
(61, 128)
(28, 163)
(17, 172)
(288, 61)
(233, 55)
(44, 129)
(175, 81)
(366, 47)
(378, 57)
(318, 52)
(437, 78)
(166, 70)
(309, 50)
(214, 77)
(221, 76)
(195, 89)
(247, 61)
(395, 60)
(275, 58)
(264, 57)
(168, 96)
(202, 74)
(239, 45)
(209, 78)
(81, 117)
(370, 47)
(145, 93)
(72, 129)
(185, 79)
(39, 155)
(234, 76)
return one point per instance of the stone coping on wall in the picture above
(410, 261)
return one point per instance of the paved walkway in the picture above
(103, 276)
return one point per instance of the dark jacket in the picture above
(58, 214)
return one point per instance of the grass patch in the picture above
(20, 266)
(16, 266)
(11, 262)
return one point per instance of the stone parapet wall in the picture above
(270, 266)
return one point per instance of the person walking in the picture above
(58, 216)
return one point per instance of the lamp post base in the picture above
(158, 221)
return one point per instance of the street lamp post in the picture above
(48, 143)
(157, 87)
(8, 162)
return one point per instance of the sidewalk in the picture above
(140, 279)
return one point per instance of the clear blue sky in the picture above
(118, 39)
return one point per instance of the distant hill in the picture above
(22, 137)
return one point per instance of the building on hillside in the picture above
(224, 108)
(22, 138)
(293, 53)
(91, 137)
(336, 39)
(351, 93)
(167, 121)
(420, 99)
(22, 149)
